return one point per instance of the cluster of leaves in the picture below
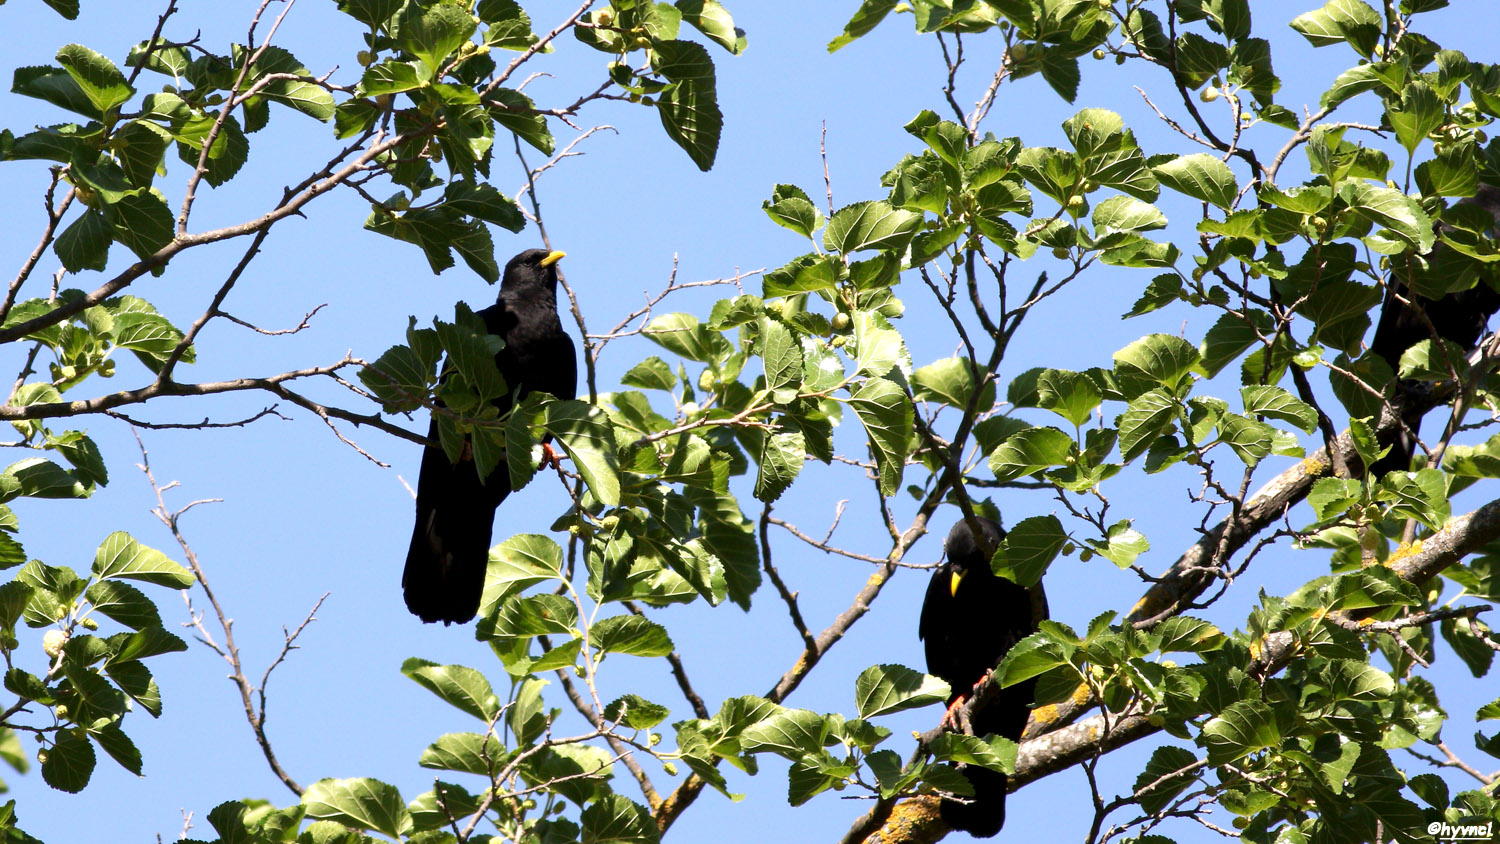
(89, 682)
(430, 72)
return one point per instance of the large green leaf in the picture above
(873, 224)
(883, 689)
(122, 557)
(887, 416)
(588, 437)
(630, 634)
(689, 108)
(361, 803)
(459, 685)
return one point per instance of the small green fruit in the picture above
(841, 322)
(1099, 55)
(1208, 95)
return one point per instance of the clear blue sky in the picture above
(304, 515)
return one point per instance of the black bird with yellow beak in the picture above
(970, 619)
(450, 544)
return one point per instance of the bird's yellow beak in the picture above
(953, 584)
(553, 257)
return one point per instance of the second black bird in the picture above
(970, 619)
(444, 576)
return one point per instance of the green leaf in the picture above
(1276, 403)
(515, 111)
(371, 13)
(1071, 395)
(1350, 21)
(1250, 440)
(1149, 416)
(866, 18)
(878, 347)
(1030, 451)
(808, 273)
(779, 461)
(1393, 210)
(787, 732)
(653, 373)
(122, 557)
(97, 77)
(361, 803)
(1349, 679)
(1125, 214)
(84, 244)
(470, 753)
(689, 108)
(782, 355)
(883, 689)
(635, 712)
(70, 763)
(1123, 544)
(1419, 112)
(142, 222)
(997, 753)
(873, 224)
(1201, 176)
(119, 747)
(123, 603)
(1033, 656)
(433, 32)
(682, 334)
(458, 685)
(69, 10)
(713, 20)
(1156, 360)
(1185, 634)
(790, 207)
(1243, 727)
(1331, 497)
(1164, 760)
(585, 433)
(950, 381)
(615, 818)
(630, 634)
(56, 86)
(1030, 547)
(887, 417)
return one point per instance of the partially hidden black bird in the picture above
(1407, 318)
(970, 619)
(444, 576)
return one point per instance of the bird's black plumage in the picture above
(970, 619)
(1407, 318)
(450, 544)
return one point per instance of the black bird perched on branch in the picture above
(970, 619)
(450, 545)
(1407, 318)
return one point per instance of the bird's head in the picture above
(964, 554)
(532, 268)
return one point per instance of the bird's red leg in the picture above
(549, 458)
(950, 718)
